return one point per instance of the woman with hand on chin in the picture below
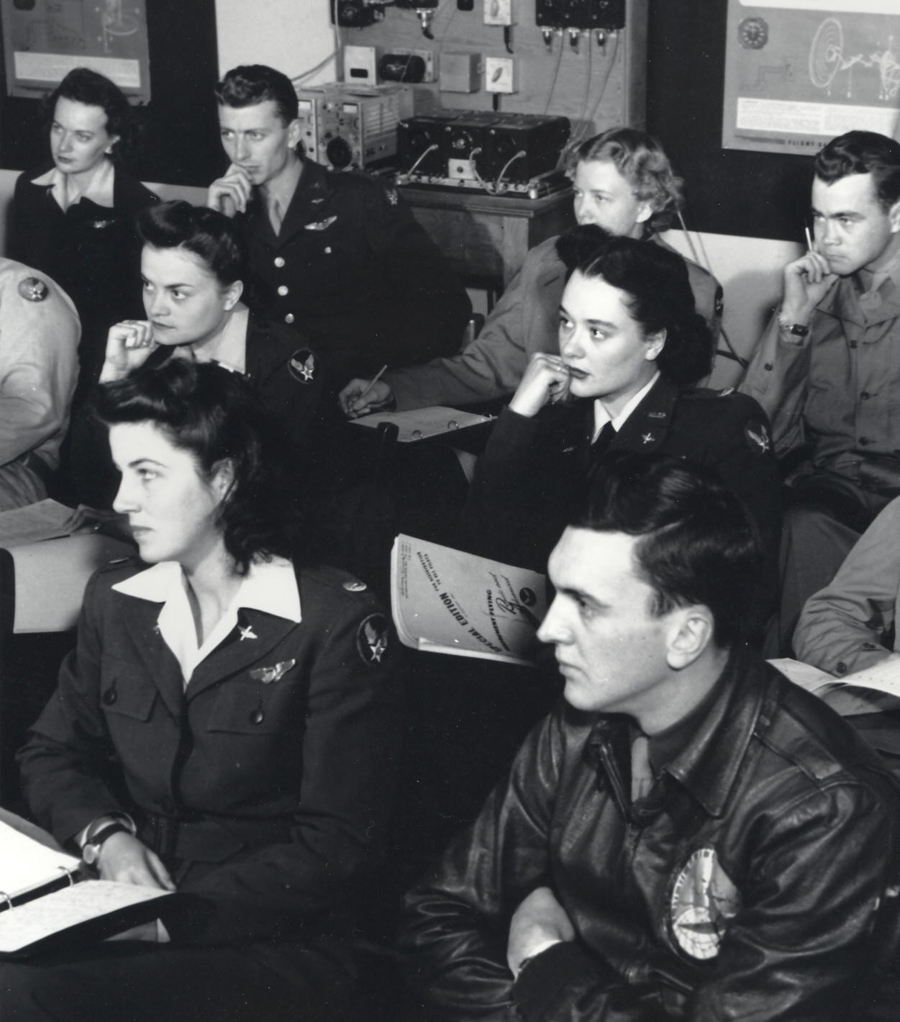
(631, 347)
(193, 269)
(226, 727)
(73, 218)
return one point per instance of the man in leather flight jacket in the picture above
(688, 835)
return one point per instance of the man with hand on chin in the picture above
(341, 258)
(827, 370)
(688, 835)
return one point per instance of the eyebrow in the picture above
(840, 212)
(168, 286)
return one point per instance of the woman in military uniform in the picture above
(631, 346)
(226, 728)
(73, 218)
(193, 266)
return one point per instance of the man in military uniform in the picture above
(624, 183)
(339, 254)
(827, 370)
(39, 332)
(688, 835)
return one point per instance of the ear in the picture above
(294, 131)
(112, 144)
(655, 344)
(231, 295)
(645, 211)
(690, 633)
(222, 478)
(894, 215)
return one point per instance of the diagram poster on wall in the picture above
(44, 39)
(799, 72)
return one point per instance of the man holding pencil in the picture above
(827, 370)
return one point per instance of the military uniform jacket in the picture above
(524, 322)
(836, 390)
(535, 472)
(264, 785)
(39, 333)
(755, 881)
(355, 273)
(93, 252)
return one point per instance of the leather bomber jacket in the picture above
(757, 881)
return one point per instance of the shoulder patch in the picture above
(372, 639)
(33, 289)
(302, 365)
(757, 436)
(704, 900)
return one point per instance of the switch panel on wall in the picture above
(498, 12)
(498, 74)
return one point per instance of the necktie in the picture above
(275, 216)
(641, 771)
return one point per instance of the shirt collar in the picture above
(229, 349)
(99, 189)
(269, 586)
(283, 187)
(602, 416)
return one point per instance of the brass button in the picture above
(283, 290)
(289, 318)
(279, 261)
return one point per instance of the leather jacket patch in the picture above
(704, 899)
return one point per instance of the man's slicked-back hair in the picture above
(696, 544)
(251, 84)
(863, 152)
(642, 161)
(211, 413)
(659, 294)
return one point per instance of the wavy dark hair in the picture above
(659, 294)
(642, 161)
(696, 542)
(208, 234)
(863, 152)
(212, 414)
(82, 85)
(250, 84)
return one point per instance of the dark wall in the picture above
(760, 195)
(181, 143)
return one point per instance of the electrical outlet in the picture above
(498, 74)
(498, 12)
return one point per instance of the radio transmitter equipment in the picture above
(353, 125)
(494, 152)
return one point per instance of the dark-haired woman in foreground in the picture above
(631, 347)
(73, 218)
(226, 728)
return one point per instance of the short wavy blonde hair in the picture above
(641, 160)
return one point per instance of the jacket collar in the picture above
(710, 764)
(308, 205)
(843, 301)
(647, 427)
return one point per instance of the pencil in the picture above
(372, 383)
(809, 241)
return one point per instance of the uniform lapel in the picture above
(140, 618)
(252, 644)
(309, 202)
(647, 427)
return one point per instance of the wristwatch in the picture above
(90, 850)
(797, 329)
